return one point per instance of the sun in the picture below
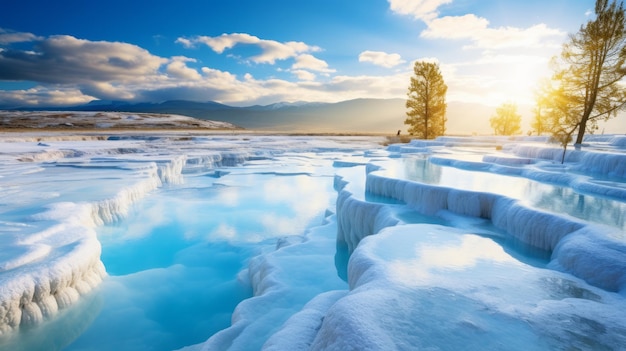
(494, 80)
(518, 82)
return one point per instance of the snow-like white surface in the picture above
(436, 263)
(103, 120)
(430, 287)
(56, 190)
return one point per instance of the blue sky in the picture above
(246, 52)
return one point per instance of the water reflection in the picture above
(469, 250)
(445, 252)
(565, 200)
(553, 198)
(421, 168)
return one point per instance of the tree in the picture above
(506, 121)
(554, 113)
(588, 74)
(426, 101)
(538, 123)
(542, 122)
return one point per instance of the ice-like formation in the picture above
(51, 260)
(606, 164)
(34, 288)
(429, 286)
(531, 226)
(541, 152)
(618, 142)
(357, 219)
(104, 120)
(599, 168)
(47, 270)
(283, 281)
(464, 283)
(405, 293)
(426, 286)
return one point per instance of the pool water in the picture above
(175, 262)
(550, 197)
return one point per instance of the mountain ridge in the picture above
(362, 115)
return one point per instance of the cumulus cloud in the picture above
(108, 90)
(9, 37)
(247, 90)
(218, 75)
(179, 69)
(380, 58)
(188, 43)
(65, 59)
(311, 63)
(477, 30)
(506, 61)
(389, 86)
(303, 75)
(75, 71)
(43, 96)
(271, 50)
(420, 9)
(474, 28)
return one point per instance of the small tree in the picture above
(538, 125)
(541, 113)
(554, 112)
(590, 70)
(563, 137)
(426, 101)
(506, 121)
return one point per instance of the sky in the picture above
(248, 52)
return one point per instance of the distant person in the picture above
(398, 133)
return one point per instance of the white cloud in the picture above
(392, 86)
(108, 90)
(303, 75)
(227, 89)
(310, 62)
(178, 68)
(63, 59)
(78, 71)
(509, 60)
(271, 50)
(456, 27)
(211, 73)
(9, 37)
(477, 31)
(220, 86)
(427, 59)
(381, 58)
(226, 41)
(43, 96)
(82, 70)
(420, 9)
(185, 42)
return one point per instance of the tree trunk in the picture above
(581, 131)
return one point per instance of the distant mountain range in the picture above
(385, 116)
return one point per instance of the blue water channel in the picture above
(177, 263)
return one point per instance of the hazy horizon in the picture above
(374, 116)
